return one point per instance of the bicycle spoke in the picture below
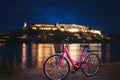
(92, 61)
(55, 72)
(51, 71)
(63, 73)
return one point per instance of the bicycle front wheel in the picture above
(91, 64)
(54, 72)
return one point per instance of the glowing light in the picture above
(54, 29)
(34, 28)
(62, 29)
(96, 31)
(25, 24)
(24, 52)
(73, 30)
(65, 27)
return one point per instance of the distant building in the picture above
(76, 28)
(65, 27)
(44, 27)
(71, 27)
(25, 27)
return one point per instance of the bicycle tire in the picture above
(93, 65)
(50, 68)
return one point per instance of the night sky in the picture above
(98, 14)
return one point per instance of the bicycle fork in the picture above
(60, 61)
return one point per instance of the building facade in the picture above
(65, 27)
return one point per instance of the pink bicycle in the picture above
(57, 67)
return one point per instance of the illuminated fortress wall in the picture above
(65, 27)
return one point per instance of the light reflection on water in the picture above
(39, 52)
(75, 49)
(34, 55)
(24, 51)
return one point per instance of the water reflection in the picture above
(111, 52)
(75, 49)
(44, 51)
(24, 51)
(39, 53)
(9, 57)
(33, 55)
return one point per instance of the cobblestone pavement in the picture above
(109, 71)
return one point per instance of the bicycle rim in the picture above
(52, 71)
(92, 63)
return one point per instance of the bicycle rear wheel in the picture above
(51, 69)
(91, 64)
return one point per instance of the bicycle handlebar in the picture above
(84, 46)
(67, 39)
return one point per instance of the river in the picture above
(33, 55)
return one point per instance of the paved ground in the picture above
(109, 71)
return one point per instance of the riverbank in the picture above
(109, 71)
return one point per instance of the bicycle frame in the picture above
(75, 64)
(60, 64)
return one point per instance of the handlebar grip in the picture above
(68, 39)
